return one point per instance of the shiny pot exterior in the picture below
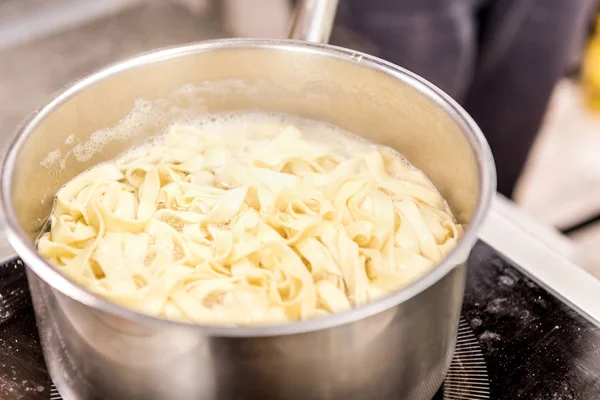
(400, 353)
(397, 347)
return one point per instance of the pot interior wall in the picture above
(98, 121)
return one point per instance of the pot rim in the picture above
(487, 184)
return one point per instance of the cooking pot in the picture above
(398, 347)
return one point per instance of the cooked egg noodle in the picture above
(234, 230)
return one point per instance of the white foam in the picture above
(124, 130)
(50, 159)
(145, 113)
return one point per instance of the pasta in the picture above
(248, 223)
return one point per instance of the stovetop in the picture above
(535, 346)
(516, 340)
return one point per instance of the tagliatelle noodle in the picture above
(248, 227)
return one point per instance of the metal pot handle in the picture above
(313, 20)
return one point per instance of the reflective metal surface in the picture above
(543, 255)
(313, 20)
(398, 347)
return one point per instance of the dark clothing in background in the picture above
(499, 58)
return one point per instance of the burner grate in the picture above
(54, 395)
(467, 377)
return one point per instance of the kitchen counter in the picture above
(31, 72)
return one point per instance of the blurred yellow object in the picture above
(591, 71)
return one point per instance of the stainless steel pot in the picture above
(399, 347)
